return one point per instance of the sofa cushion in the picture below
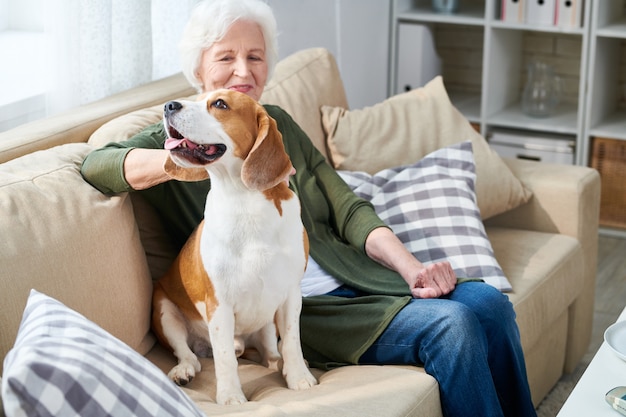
(404, 128)
(431, 206)
(349, 391)
(64, 364)
(63, 237)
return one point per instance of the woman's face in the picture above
(236, 62)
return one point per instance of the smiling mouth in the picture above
(196, 153)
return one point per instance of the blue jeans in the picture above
(468, 341)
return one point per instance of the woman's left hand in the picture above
(433, 281)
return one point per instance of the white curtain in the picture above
(100, 47)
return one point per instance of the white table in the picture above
(605, 372)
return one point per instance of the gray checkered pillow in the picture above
(64, 365)
(431, 206)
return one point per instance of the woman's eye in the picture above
(220, 104)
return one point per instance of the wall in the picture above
(355, 31)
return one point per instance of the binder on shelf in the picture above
(418, 61)
(513, 11)
(568, 13)
(540, 12)
(553, 148)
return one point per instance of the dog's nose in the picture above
(172, 107)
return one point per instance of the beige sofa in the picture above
(67, 240)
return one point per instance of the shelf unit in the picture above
(504, 60)
(592, 58)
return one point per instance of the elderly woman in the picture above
(367, 300)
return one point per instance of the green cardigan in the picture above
(334, 330)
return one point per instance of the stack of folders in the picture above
(560, 13)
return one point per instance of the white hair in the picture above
(209, 22)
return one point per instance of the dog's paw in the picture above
(300, 380)
(184, 372)
(240, 346)
(234, 397)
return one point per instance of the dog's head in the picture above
(225, 133)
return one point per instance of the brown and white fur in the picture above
(237, 279)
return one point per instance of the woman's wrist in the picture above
(383, 246)
(143, 168)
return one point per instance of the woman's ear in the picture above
(184, 174)
(267, 163)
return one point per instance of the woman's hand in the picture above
(431, 281)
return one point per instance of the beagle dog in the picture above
(237, 279)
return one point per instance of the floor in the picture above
(610, 299)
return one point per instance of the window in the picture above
(22, 42)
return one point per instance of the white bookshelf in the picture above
(497, 103)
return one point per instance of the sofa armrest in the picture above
(78, 124)
(566, 200)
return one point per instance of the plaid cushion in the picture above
(431, 206)
(64, 365)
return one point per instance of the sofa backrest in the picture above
(64, 238)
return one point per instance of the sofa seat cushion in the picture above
(64, 238)
(346, 391)
(544, 270)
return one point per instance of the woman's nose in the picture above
(241, 67)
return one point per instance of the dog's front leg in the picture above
(295, 370)
(222, 334)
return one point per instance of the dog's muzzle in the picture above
(184, 147)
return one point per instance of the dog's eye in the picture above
(220, 104)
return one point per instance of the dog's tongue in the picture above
(171, 143)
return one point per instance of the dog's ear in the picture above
(184, 174)
(267, 164)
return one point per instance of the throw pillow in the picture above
(431, 207)
(406, 127)
(124, 127)
(63, 364)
